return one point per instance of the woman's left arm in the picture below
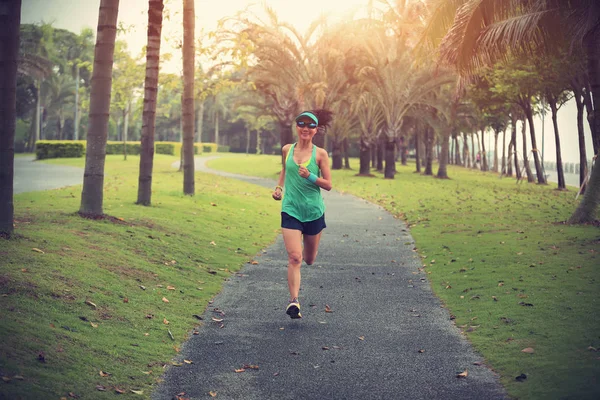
(324, 182)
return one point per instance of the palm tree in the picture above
(188, 96)
(155, 15)
(93, 178)
(10, 19)
(486, 30)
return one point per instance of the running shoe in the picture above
(293, 309)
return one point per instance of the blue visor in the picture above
(309, 115)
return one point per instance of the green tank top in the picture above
(302, 199)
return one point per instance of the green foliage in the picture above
(58, 149)
(133, 148)
(223, 149)
(209, 147)
(503, 263)
(165, 148)
(123, 266)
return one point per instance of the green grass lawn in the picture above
(501, 259)
(89, 307)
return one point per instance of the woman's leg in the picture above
(311, 247)
(293, 244)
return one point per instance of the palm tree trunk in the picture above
(188, 96)
(536, 158)
(428, 151)
(495, 163)
(200, 121)
(346, 154)
(559, 164)
(336, 154)
(466, 158)
(525, 155)
(390, 158)
(443, 166)
(380, 154)
(580, 134)
(76, 118)
(10, 19)
(587, 100)
(217, 128)
(93, 178)
(484, 163)
(247, 140)
(125, 128)
(503, 167)
(364, 156)
(155, 15)
(417, 151)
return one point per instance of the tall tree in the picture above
(92, 195)
(188, 96)
(10, 20)
(155, 16)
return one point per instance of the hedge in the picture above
(76, 148)
(59, 149)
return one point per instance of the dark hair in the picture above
(324, 116)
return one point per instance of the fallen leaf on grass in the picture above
(528, 350)
(100, 388)
(93, 325)
(137, 391)
(521, 377)
(105, 374)
(463, 374)
(6, 379)
(89, 303)
(38, 250)
(592, 348)
(494, 298)
(165, 321)
(18, 377)
(126, 300)
(119, 390)
(213, 243)
(170, 287)
(164, 299)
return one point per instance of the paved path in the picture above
(368, 348)
(31, 175)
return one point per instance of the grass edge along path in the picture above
(92, 309)
(522, 286)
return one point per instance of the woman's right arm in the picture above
(278, 192)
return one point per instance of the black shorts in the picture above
(308, 228)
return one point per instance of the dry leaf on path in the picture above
(212, 394)
(328, 309)
(463, 374)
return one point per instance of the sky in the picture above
(74, 15)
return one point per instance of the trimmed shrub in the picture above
(223, 149)
(58, 149)
(133, 148)
(164, 148)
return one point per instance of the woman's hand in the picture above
(303, 171)
(277, 193)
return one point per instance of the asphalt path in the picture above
(386, 336)
(30, 175)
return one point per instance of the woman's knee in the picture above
(295, 258)
(309, 259)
